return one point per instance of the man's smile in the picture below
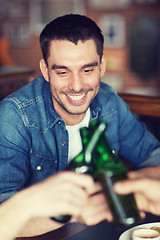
(76, 98)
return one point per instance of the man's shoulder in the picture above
(106, 100)
(28, 94)
(106, 93)
(106, 89)
(30, 103)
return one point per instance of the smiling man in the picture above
(74, 72)
(39, 124)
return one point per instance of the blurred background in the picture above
(132, 40)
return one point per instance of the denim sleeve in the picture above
(14, 149)
(5, 196)
(137, 144)
(153, 160)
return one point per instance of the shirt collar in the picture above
(52, 115)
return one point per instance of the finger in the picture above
(74, 192)
(96, 218)
(96, 189)
(131, 185)
(70, 208)
(82, 180)
(96, 210)
(135, 174)
(142, 214)
(125, 187)
(145, 172)
(96, 214)
(71, 201)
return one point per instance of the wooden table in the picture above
(61, 233)
(78, 231)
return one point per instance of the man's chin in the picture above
(77, 113)
(75, 110)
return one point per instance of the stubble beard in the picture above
(68, 111)
(57, 99)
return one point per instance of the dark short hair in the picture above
(71, 27)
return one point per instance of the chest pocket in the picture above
(41, 167)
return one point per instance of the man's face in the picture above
(74, 73)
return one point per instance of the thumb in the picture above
(129, 186)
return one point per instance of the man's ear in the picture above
(103, 65)
(44, 69)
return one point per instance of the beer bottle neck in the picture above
(93, 141)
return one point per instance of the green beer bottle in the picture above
(109, 169)
(82, 163)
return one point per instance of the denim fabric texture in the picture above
(34, 139)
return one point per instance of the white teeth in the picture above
(76, 97)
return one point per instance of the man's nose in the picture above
(76, 82)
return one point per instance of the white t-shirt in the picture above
(75, 144)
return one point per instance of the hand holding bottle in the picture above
(96, 209)
(98, 160)
(146, 192)
(62, 193)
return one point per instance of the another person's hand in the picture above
(153, 172)
(97, 208)
(146, 192)
(63, 193)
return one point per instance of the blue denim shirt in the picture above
(34, 139)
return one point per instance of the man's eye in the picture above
(88, 70)
(62, 73)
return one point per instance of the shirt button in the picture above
(38, 168)
(59, 122)
(113, 151)
(63, 144)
